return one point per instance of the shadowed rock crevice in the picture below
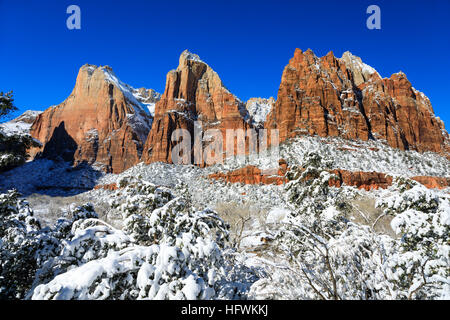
(359, 96)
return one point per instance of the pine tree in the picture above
(6, 103)
(13, 146)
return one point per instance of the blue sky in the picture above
(247, 42)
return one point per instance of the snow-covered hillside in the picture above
(20, 125)
(163, 231)
(158, 237)
(15, 140)
(142, 98)
(353, 156)
(59, 179)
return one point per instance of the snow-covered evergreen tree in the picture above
(419, 268)
(167, 250)
(6, 104)
(331, 257)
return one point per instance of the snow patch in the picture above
(259, 109)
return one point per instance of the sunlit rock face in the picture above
(193, 92)
(104, 120)
(114, 126)
(344, 97)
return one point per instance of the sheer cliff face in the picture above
(402, 115)
(111, 124)
(100, 122)
(193, 92)
(343, 97)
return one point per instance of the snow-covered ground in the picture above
(49, 177)
(59, 179)
(266, 226)
(368, 156)
(20, 125)
(120, 258)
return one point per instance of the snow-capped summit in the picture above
(360, 70)
(103, 121)
(187, 55)
(111, 122)
(137, 97)
(147, 97)
(20, 125)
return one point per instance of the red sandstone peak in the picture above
(107, 122)
(344, 97)
(102, 122)
(194, 91)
